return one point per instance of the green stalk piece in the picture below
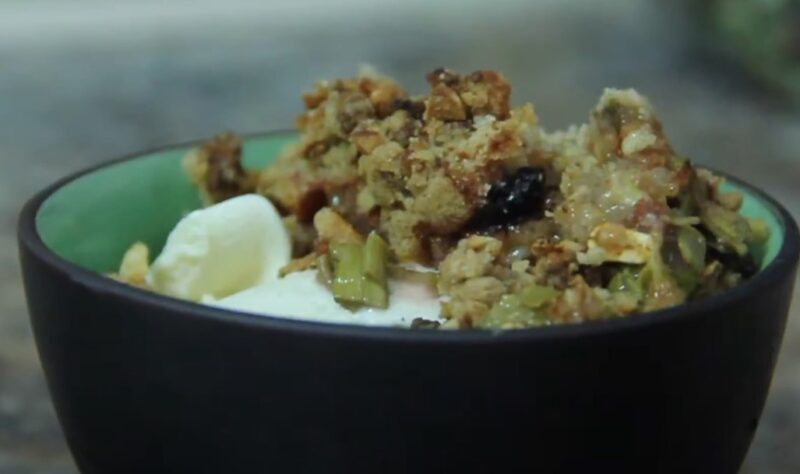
(536, 296)
(360, 273)
(347, 285)
(376, 254)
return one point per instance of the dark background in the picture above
(85, 81)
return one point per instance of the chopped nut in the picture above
(332, 228)
(135, 265)
(420, 323)
(615, 243)
(444, 104)
(299, 264)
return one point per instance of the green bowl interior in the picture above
(93, 219)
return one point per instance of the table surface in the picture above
(71, 102)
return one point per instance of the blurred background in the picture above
(83, 81)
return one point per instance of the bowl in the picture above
(146, 383)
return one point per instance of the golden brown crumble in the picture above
(525, 227)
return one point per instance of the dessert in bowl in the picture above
(602, 291)
(509, 225)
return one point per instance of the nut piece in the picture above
(444, 104)
(135, 265)
(332, 228)
(487, 93)
(614, 243)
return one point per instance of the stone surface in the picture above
(65, 105)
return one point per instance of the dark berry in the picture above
(519, 196)
(415, 108)
(744, 265)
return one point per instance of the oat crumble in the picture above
(524, 227)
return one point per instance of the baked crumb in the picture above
(216, 169)
(525, 227)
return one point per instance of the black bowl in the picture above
(144, 383)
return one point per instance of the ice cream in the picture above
(221, 250)
(229, 255)
(300, 296)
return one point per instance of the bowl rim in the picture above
(29, 240)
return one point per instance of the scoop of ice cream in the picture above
(221, 250)
(300, 296)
